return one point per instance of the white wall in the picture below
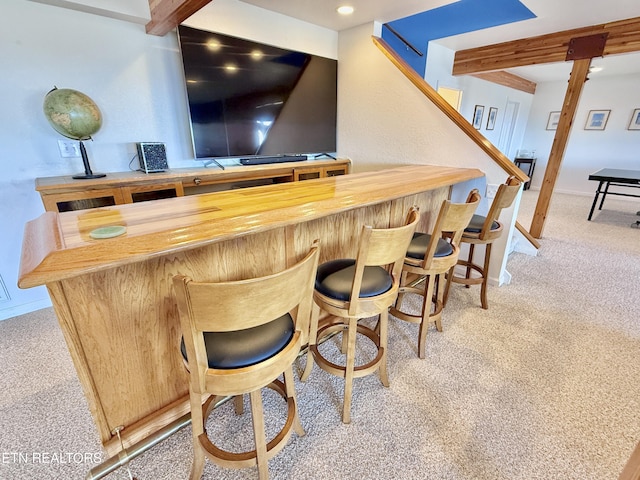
(135, 78)
(479, 92)
(383, 120)
(137, 81)
(587, 150)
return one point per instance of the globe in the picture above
(74, 115)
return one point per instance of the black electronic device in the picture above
(249, 99)
(274, 159)
(152, 157)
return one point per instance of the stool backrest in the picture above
(504, 198)
(242, 304)
(452, 219)
(382, 247)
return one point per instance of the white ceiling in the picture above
(552, 16)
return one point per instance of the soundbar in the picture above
(275, 159)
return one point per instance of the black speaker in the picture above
(152, 157)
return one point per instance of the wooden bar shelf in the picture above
(63, 193)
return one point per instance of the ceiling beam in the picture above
(507, 79)
(168, 14)
(623, 37)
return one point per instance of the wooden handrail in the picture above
(502, 160)
(527, 235)
(403, 40)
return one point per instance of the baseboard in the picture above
(18, 310)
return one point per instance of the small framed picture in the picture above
(491, 118)
(597, 119)
(478, 112)
(552, 123)
(634, 123)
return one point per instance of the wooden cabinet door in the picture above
(65, 202)
(142, 193)
(308, 173)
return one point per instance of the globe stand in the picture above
(87, 168)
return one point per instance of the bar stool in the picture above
(483, 230)
(428, 258)
(352, 289)
(239, 337)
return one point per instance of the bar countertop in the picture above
(58, 245)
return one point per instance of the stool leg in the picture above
(290, 388)
(259, 434)
(449, 278)
(426, 310)
(403, 282)
(237, 402)
(197, 428)
(345, 341)
(383, 327)
(349, 368)
(470, 260)
(439, 300)
(485, 274)
(313, 339)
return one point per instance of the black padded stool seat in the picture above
(418, 246)
(242, 348)
(477, 222)
(335, 279)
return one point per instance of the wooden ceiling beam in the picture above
(623, 37)
(507, 79)
(168, 14)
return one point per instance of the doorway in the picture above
(508, 127)
(452, 96)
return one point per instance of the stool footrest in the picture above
(471, 280)
(249, 458)
(339, 370)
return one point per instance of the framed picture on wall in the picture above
(634, 123)
(478, 113)
(552, 123)
(491, 118)
(597, 119)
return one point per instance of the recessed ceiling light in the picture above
(595, 69)
(345, 10)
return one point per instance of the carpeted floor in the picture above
(542, 385)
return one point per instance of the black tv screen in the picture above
(250, 99)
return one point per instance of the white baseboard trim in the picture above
(18, 310)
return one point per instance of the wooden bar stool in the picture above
(428, 258)
(352, 289)
(239, 337)
(483, 230)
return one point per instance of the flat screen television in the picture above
(249, 99)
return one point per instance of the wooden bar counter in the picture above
(113, 296)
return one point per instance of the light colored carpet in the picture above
(542, 385)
